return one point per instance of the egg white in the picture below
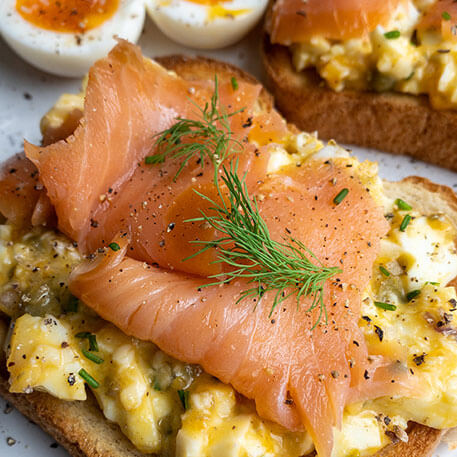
(190, 23)
(69, 54)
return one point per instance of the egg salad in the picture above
(396, 57)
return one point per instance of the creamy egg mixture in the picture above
(395, 57)
(57, 345)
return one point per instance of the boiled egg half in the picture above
(66, 37)
(206, 24)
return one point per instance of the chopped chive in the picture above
(234, 83)
(393, 34)
(413, 294)
(433, 283)
(384, 271)
(386, 306)
(405, 222)
(403, 205)
(341, 196)
(114, 246)
(93, 357)
(83, 335)
(93, 345)
(446, 16)
(88, 378)
(184, 397)
(72, 305)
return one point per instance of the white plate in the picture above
(25, 94)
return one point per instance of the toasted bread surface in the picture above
(394, 122)
(82, 429)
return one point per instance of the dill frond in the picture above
(288, 268)
(209, 136)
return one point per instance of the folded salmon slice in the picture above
(295, 21)
(98, 180)
(298, 376)
(23, 199)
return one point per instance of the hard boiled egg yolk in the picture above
(70, 16)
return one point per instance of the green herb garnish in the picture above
(234, 83)
(114, 246)
(93, 345)
(413, 294)
(446, 16)
(433, 283)
(93, 357)
(341, 196)
(288, 268)
(385, 306)
(393, 34)
(184, 397)
(405, 222)
(88, 378)
(208, 137)
(245, 246)
(384, 271)
(401, 204)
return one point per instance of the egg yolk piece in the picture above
(68, 16)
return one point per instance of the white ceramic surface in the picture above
(26, 93)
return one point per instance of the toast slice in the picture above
(81, 428)
(393, 122)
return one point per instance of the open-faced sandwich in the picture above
(381, 74)
(186, 274)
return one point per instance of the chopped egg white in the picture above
(206, 24)
(67, 53)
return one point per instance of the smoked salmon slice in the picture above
(98, 180)
(442, 16)
(295, 21)
(299, 376)
(23, 200)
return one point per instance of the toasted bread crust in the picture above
(398, 123)
(82, 429)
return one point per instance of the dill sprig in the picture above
(289, 267)
(209, 136)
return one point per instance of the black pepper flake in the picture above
(93, 223)
(379, 331)
(64, 345)
(419, 359)
(356, 343)
(366, 318)
(334, 374)
(366, 375)
(170, 227)
(387, 420)
(10, 441)
(71, 379)
(54, 445)
(248, 123)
